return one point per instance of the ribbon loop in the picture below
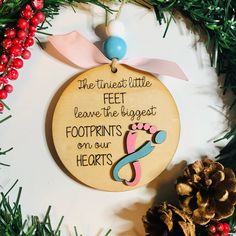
(85, 54)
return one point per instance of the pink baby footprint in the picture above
(134, 154)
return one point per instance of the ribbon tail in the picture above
(157, 67)
(78, 50)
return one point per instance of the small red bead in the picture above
(10, 33)
(22, 24)
(220, 227)
(26, 54)
(18, 63)
(216, 234)
(4, 58)
(7, 43)
(13, 74)
(1, 107)
(226, 227)
(2, 68)
(8, 88)
(21, 34)
(27, 14)
(3, 94)
(29, 42)
(41, 17)
(15, 50)
(35, 21)
(37, 4)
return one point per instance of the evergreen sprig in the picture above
(217, 19)
(12, 222)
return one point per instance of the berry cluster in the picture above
(219, 229)
(15, 45)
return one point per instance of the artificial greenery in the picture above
(12, 222)
(216, 19)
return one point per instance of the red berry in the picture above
(37, 4)
(4, 58)
(21, 34)
(8, 88)
(10, 33)
(2, 68)
(3, 80)
(1, 107)
(29, 42)
(31, 34)
(3, 94)
(15, 50)
(26, 54)
(220, 227)
(28, 7)
(40, 15)
(225, 233)
(34, 21)
(6, 43)
(18, 63)
(226, 227)
(16, 41)
(27, 14)
(22, 23)
(32, 28)
(212, 228)
(13, 74)
(216, 234)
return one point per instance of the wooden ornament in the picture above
(115, 131)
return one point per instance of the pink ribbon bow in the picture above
(85, 54)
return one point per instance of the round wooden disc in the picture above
(95, 113)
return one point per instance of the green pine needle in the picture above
(13, 224)
(6, 151)
(4, 119)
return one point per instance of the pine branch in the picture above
(13, 224)
(218, 20)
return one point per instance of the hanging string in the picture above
(113, 65)
(120, 9)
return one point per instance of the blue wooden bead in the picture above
(114, 47)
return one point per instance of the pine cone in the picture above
(167, 220)
(207, 191)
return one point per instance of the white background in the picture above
(44, 183)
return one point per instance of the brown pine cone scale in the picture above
(167, 220)
(207, 191)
